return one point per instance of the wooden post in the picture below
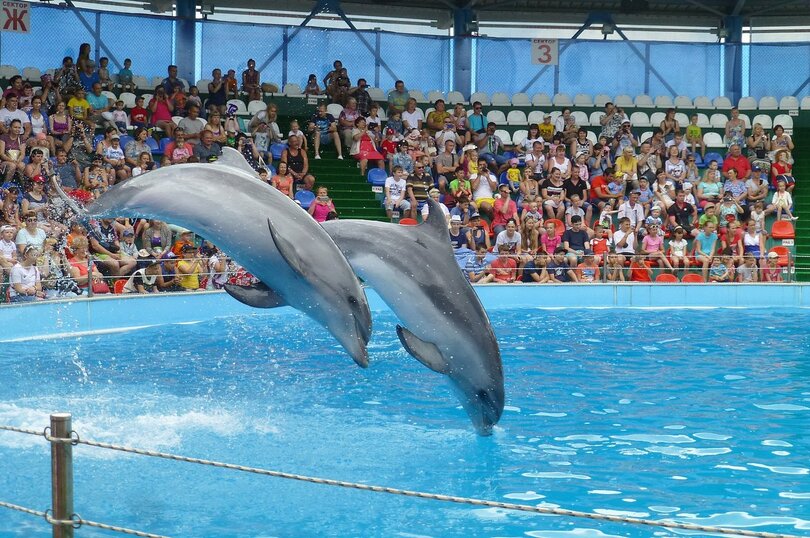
(61, 474)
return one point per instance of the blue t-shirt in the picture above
(475, 266)
(88, 81)
(322, 123)
(558, 271)
(706, 242)
(125, 76)
(476, 122)
(97, 101)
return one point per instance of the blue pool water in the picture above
(697, 415)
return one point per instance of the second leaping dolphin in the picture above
(263, 230)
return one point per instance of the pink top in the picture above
(550, 244)
(652, 244)
(321, 210)
(161, 113)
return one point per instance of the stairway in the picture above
(801, 201)
(351, 193)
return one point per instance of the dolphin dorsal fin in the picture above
(435, 225)
(258, 295)
(425, 352)
(232, 157)
(287, 251)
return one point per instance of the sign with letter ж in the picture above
(15, 17)
(545, 52)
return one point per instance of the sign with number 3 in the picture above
(545, 52)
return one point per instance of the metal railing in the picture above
(785, 265)
(64, 520)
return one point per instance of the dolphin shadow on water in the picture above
(444, 325)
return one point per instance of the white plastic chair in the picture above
(500, 99)
(31, 74)
(580, 118)
(639, 119)
(456, 97)
(592, 137)
(703, 121)
(541, 99)
(418, 95)
(623, 100)
(8, 71)
(789, 102)
(504, 135)
(656, 118)
(562, 99)
(596, 117)
(713, 140)
(785, 120)
(704, 102)
(497, 117)
(664, 101)
(241, 109)
(516, 117)
(718, 121)
(521, 99)
(376, 94)
(769, 103)
(682, 119)
(682, 101)
(535, 117)
(747, 103)
(109, 95)
(335, 109)
(481, 97)
(128, 98)
(601, 100)
(292, 89)
(583, 99)
(722, 103)
(256, 106)
(519, 136)
(435, 95)
(764, 119)
(644, 101)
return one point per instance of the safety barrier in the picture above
(64, 520)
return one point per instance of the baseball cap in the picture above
(756, 168)
(475, 216)
(772, 255)
(513, 161)
(455, 218)
(116, 136)
(127, 232)
(38, 178)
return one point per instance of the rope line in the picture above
(439, 497)
(76, 521)
(669, 524)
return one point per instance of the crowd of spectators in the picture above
(554, 207)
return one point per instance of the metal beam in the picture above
(772, 7)
(704, 7)
(339, 12)
(319, 7)
(800, 88)
(738, 8)
(641, 56)
(95, 32)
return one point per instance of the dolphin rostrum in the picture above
(414, 271)
(263, 230)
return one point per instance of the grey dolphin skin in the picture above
(414, 271)
(446, 328)
(263, 230)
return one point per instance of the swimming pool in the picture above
(703, 420)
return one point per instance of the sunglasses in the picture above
(31, 219)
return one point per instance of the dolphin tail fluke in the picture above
(257, 295)
(425, 352)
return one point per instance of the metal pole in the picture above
(61, 474)
(89, 276)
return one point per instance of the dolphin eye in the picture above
(352, 299)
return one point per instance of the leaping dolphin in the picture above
(414, 271)
(446, 328)
(263, 230)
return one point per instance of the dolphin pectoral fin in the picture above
(287, 251)
(425, 352)
(257, 295)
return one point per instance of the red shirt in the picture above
(639, 273)
(138, 115)
(597, 182)
(780, 169)
(504, 269)
(741, 164)
(388, 147)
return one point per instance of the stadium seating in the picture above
(764, 120)
(683, 101)
(521, 99)
(768, 103)
(783, 229)
(789, 102)
(664, 101)
(516, 117)
(747, 103)
(666, 277)
(452, 98)
(562, 99)
(541, 99)
(500, 99)
(482, 97)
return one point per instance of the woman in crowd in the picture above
(283, 180)
(61, 127)
(83, 270)
(136, 147)
(25, 282)
(161, 107)
(55, 271)
(364, 147)
(296, 159)
(156, 237)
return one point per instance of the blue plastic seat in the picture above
(714, 157)
(305, 198)
(164, 143)
(126, 139)
(277, 149)
(153, 145)
(96, 139)
(377, 177)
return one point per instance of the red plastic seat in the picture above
(666, 277)
(783, 229)
(559, 226)
(407, 221)
(692, 277)
(118, 287)
(784, 255)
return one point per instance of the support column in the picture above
(185, 40)
(463, 19)
(732, 51)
